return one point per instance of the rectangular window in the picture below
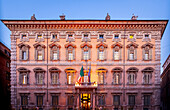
(24, 78)
(39, 36)
(131, 36)
(23, 55)
(85, 78)
(70, 100)
(146, 55)
(54, 36)
(70, 36)
(146, 35)
(101, 100)
(54, 78)
(39, 78)
(86, 55)
(55, 55)
(132, 100)
(116, 36)
(116, 55)
(24, 36)
(116, 99)
(24, 100)
(101, 55)
(146, 78)
(70, 56)
(54, 100)
(39, 100)
(85, 35)
(101, 36)
(131, 56)
(101, 78)
(70, 78)
(39, 55)
(146, 100)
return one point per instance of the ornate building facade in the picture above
(122, 57)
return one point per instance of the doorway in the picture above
(85, 101)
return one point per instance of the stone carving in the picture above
(15, 32)
(93, 32)
(78, 32)
(62, 32)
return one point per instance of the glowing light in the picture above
(76, 84)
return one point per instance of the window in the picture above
(132, 51)
(132, 74)
(70, 36)
(23, 75)
(147, 51)
(55, 78)
(70, 75)
(146, 35)
(117, 51)
(101, 75)
(85, 35)
(116, 99)
(116, 36)
(24, 100)
(146, 100)
(101, 36)
(116, 55)
(86, 55)
(70, 51)
(54, 36)
(55, 100)
(116, 75)
(39, 75)
(39, 36)
(70, 100)
(131, 36)
(24, 36)
(131, 100)
(24, 51)
(101, 51)
(39, 100)
(147, 75)
(39, 51)
(101, 100)
(54, 51)
(86, 51)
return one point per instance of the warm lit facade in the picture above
(47, 56)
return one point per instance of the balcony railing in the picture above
(86, 85)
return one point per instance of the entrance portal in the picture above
(85, 101)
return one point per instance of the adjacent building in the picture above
(165, 85)
(5, 54)
(121, 61)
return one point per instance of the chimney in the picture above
(62, 17)
(107, 17)
(33, 17)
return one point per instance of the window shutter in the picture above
(128, 54)
(105, 54)
(27, 78)
(67, 54)
(58, 54)
(20, 78)
(43, 53)
(27, 54)
(82, 53)
(120, 54)
(73, 53)
(135, 54)
(89, 53)
(113, 54)
(20, 54)
(35, 54)
(51, 54)
(150, 54)
(98, 54)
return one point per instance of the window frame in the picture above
(39, 48)
(25, 97)
(132, 49)
(147, 48)
(101, 99)
(70, 48)
(25, 48)
(118, 100)
(54, 48)
(22, 71)
(72, 72)
(101, 47)
(132, 73)
(130, 103)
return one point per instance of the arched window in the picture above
(117, 75)
(24, 51)
(132, 75)
(39, 51)
(147, 75)
(132, 51)
(101, 75)
(54, 75)
(54, 51)
(39, 75)
(117, 51)
(147, 51)
(101, 51)
(70, 51)
(70, 73)
(23, 75)
(86, 51)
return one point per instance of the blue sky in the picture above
(87, 9)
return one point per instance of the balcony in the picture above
(82, 85)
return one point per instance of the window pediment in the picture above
(38, 44)
(70, 70)
(53, 69)
(53, 44)
(102, 69)
(117, 44)
(132, 44)
(147, 44)
(133, 69)
(70, 44)
(22, 69)
(86, 44)
(117, 69)
(38, 69)
(22, 44)
(148, 69)
(101, 44)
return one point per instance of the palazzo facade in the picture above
(122, 56)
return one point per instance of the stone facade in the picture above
(120, 78)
